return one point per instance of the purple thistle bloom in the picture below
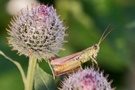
(87, 79)
(37, 29)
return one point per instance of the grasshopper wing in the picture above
(60, 61)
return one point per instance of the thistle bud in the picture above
(87, 79)
(37, 29)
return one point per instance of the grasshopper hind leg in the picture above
(67, 72)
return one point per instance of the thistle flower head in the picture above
(87, 79)
(37, 29)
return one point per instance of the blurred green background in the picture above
(86, 19)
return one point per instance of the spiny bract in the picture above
(37, 29)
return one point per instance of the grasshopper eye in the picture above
(95, 47)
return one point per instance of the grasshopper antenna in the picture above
(103, 35)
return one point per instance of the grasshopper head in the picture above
(95, 50)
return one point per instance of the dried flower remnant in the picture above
(37, 29)
(87, 79)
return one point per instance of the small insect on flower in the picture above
(70, 63)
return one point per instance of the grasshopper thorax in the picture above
(95, 49)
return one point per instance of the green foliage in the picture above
(43, 81)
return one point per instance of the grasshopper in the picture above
(68, 63)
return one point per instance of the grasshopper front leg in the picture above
(80, 64)
(93, 61)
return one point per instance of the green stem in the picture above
(30, 73)
(51, 70)
(18, 66)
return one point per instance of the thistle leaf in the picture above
(43, 81)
